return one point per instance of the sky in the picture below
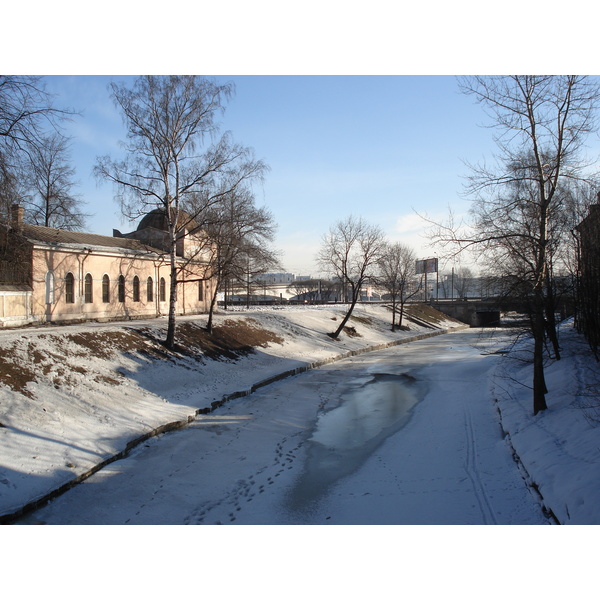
(383, 148)
(356, 112)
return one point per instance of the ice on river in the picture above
(407, 435)
(345, 436)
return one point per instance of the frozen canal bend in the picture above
(408, 435)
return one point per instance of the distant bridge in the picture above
(473, 312)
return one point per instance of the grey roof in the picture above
(157, 219)
(50, 235)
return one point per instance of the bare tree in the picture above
(316, 290)
(237, 229)
(308, 290)
(517, 202)
(50, 180)
(9, 189)
(26, 115)
(168, 121)
(350, 252)
(463, 281)
(26, 112)
(396, 270)
(258, 260)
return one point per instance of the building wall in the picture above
(189, 298)
(54, 302)
(589, 279)
(14, 307)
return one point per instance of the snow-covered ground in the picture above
(87, 391)
(560, 447)
(374, 439)
(81, 409)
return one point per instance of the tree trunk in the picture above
(539, 325)
(355, 294)
(539, 381)
(401, 313)
(248, 289)
(211, 310)
(550, 309)
(170, 341)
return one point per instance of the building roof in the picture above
(52, 236)
(157, 219)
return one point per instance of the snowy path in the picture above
(408, 435)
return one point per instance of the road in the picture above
(408, 435)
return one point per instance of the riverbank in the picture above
(406, 435)
(74, 398)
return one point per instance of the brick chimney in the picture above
(16, 216)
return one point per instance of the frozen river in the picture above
(408, 435)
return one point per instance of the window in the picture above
(149, 290)
(136, 289)
(70, 288)
(88, 289)
(105, 289)
(121, 288)
(162, 291)
(201, 291)
(49, 287)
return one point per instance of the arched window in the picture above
(121, 288)
(105, 289)
(88, 289)
(201, 291)
(136, 289)
(49, 287)
(162, 290)
(149, 290)
(70, 288)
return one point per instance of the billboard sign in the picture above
(429, 265)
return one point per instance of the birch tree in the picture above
(174, 156)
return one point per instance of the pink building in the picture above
(52, 275)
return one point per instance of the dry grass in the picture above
(351, 332)
(425, 313)
(20, 366)
(230, 339)
(13, 375)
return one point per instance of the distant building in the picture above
(275, 278)
(53, 275)
(280, 278)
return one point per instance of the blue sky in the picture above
(379, 147)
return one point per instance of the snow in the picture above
(560, 447)
(100, 405)
(62, 430)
